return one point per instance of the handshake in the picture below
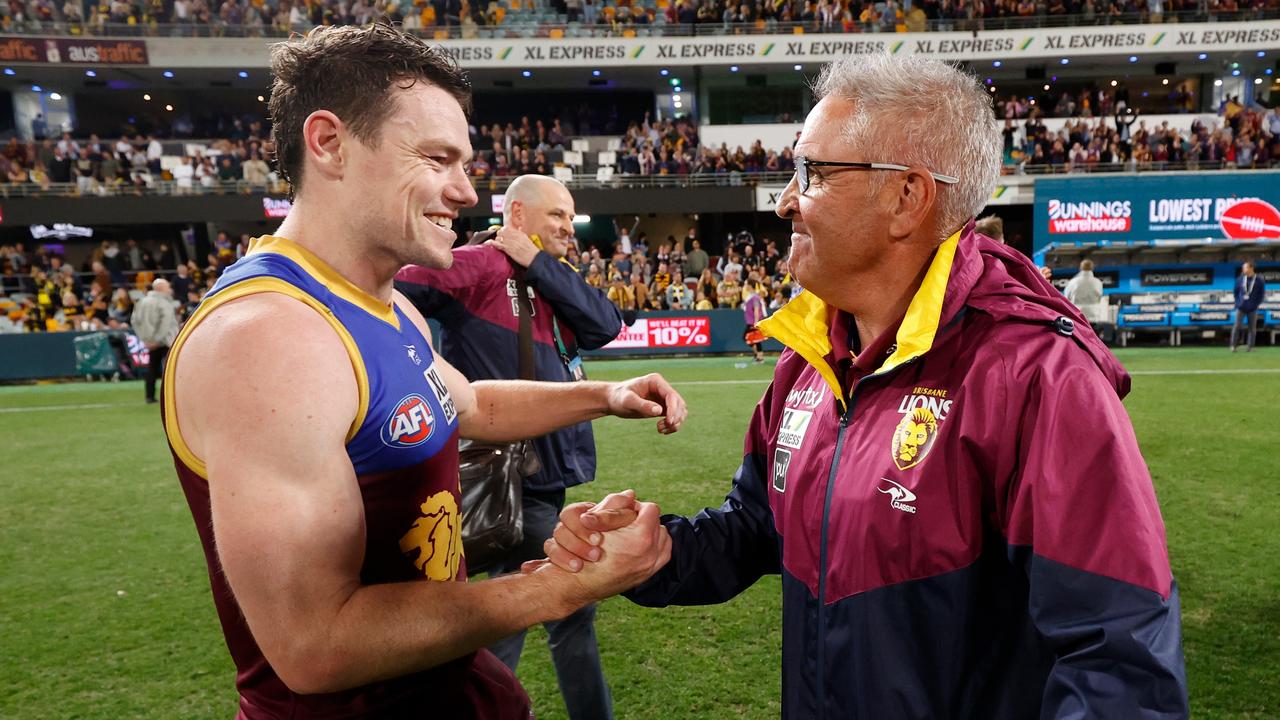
(600, 550)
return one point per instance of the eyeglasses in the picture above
(803, 164)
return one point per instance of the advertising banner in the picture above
(1155, 208)
(665, 332)
(782, 49)
(85, 51)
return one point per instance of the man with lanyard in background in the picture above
(1250, 290)
(473, 302)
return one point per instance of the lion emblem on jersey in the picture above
(913, 437)
(436, 537)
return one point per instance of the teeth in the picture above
(442, 221)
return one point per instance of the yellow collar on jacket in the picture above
(803, 324)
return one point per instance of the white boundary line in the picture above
(758, 381)
(39, 408)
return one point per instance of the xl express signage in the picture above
(993, 45)
(1183, 207)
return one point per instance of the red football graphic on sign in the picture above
(1250, 219)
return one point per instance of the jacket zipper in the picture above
(826, 518)
(822, 556)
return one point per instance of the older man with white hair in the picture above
(942, 470)
(155, 321)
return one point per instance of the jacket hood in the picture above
(1009, 287)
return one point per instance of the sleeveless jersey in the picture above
(403, 444)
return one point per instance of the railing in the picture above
(169, 188)
(565, 29)
(1133, 167)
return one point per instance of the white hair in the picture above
(921, 113)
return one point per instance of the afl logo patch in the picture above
(410, 424)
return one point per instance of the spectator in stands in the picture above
(678, 295)
(640, 289)
(697, 260)
(991, 226)
(155, 320)
(1085, 292)
(729, 291)
(1249, 293)
(184, 175)
(622, 295)
(730, 262)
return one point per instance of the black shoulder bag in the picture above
(492, 474)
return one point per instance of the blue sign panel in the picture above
(1148, 208)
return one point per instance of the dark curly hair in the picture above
(350, 71)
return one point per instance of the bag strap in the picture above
(528, 370)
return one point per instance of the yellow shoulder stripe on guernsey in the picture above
(327, 276)
(803, 324)
(245, 288)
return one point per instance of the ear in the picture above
(912, 205)
(517, 215)
(323, 135)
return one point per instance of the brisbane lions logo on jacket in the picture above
(923, 410)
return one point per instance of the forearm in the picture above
(509, 410)
(390, 630)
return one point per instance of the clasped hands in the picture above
(609, 547)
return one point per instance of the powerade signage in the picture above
(1179, 276)
(1109, 278)
(1176, 207)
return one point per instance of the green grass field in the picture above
(104, 600)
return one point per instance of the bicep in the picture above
(268, 392)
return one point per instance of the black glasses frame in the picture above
(803, 164)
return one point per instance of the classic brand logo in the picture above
(922, 410)
(410, 424)
(414, 357)
(436, 536)
(899, 496)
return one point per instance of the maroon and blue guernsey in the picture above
(963, 522)
(403, 446)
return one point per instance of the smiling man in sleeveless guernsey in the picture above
(315, 433)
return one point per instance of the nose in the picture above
(459, 190)
(788, 204)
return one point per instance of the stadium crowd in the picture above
(1245, 138)
(467, 18)
(41, 292)
(96, 166)
(681, 275)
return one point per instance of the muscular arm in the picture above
(509, 410)
(266, 395)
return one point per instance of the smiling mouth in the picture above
(442, 221)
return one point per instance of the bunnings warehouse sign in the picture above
(1034, 43)
(1144, 209)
